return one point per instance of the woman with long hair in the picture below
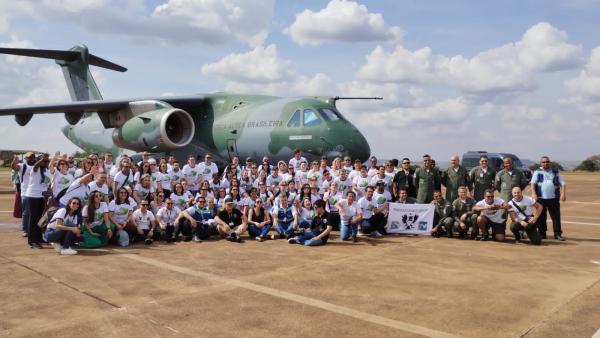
(143, 169)
(165, 180)
(97, 229)
(144, 190)
(63, 229)
(120, 210)
(86, 167)
(304, 214)
(181, 197)
(259, 221)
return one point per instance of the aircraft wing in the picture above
(102, 107)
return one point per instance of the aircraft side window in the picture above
(329, 114)
(294, 121)
(310, 118)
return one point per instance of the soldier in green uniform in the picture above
(462, 207)
(443, 220)
(425, 180)
(453, 177)
(508, 178)
(481, 178)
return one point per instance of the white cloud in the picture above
(510, 67)
(172, 22)
(341, 20)
(585, 88)
(259, 65)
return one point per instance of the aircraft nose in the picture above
(360, 148)
(65, 130)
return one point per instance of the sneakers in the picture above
(518, 241)
(234, 237)
(24, 234)
(197, 239)
(362, 234)
(35, 245)
(375, 234)
(57, 247)
(292, 240)
(273, 237)
(484, 238)
(148, 241)
(559, 238)
(68, 252)
(259, 238)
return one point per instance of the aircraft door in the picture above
(231, 148)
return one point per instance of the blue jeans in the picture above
(347, 230)
(65, 238)
(306, 239)
(285, 228)
(255, 231)
(24, 214)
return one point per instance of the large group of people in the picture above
(97, 202)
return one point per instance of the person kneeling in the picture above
(97, 229)
(197, 219)
(283, 217)
(524, 214)
(145, 223)
(319, 230)
(63, 229)
(491, 216)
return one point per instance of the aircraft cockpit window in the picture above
(311, 118)
(329, 114)
(294, 121)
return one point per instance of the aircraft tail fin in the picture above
(75, 66)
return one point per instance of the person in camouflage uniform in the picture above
(425, 180)
(481, 178)
(462, 208)
(453, 177)
(508, 178)
(443, 217)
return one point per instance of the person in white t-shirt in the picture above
(207, 168)
(100, 185)
(61, 178)
(182, 198)
(297, 159)
(491, 215)
(372, 216)
(97, 227)
(144, 191)
(123, 177)
(145, 223)
(344, 183)
(165, 217)
(23, 170)
(63, 229)
(120, 210)
(524, 212)
(39, 181)
(350, 217)
(193, 175)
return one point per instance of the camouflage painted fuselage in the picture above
(248, 126)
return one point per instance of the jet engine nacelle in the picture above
(156, 130)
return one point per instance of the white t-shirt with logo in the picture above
(120, 211)
(497, 215)
(527, 206)
(37, 186)
(67, 220)
(382, 198)
(367, 207)
(93, 186)
(99, 214)
(61, 181)
(180, 201)
(76, 189)
(143, 219)
(207, 170)
(191, 175)
(348, 212)
(168, 216)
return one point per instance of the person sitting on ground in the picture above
(524, 212)
(320, 228)
(145, 222)
(443, 218)
(403, 197)
(283, 217)
(304, 215)
(462, 208)
(97, 229)
(197, 219)
(259, 221)
(350, 216)
(63, 229)
(231, 222)
(491, 215)
(166, 218)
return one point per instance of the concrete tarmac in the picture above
(396, 286)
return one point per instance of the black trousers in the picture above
(552, 206)
(36, 210)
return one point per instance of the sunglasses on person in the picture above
(144, 204)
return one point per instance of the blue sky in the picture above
(518, 76)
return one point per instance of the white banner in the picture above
(410, 219)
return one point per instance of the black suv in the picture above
(470, 159)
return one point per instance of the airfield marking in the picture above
(571, 222)
(595, 262)
(580, 202)
(395, 324)
(597, 334)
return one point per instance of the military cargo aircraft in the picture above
(222, 124)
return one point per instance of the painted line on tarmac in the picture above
(395, 324)
(571, 222)
(581, 202)
(597, 334)
(595, 262)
